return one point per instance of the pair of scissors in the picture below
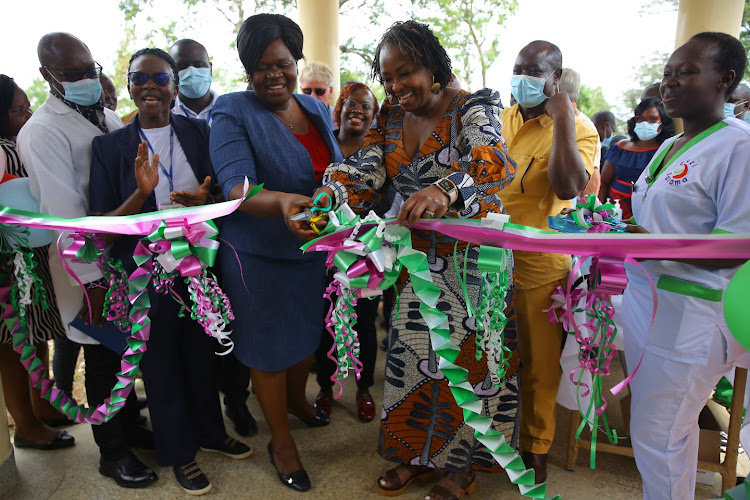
(309, 215)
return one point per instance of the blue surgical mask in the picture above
(528, 90)
(729, 109)
(195, 82)
(606, 142)
(747, 117)
(84, 92)
(646, 131)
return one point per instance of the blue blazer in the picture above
(112, 178)
(247, 140)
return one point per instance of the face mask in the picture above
(606, 142)
(195, 82)
(528, 90)
(646, 131)
(84, 92)
(729, 109)
(747, 117)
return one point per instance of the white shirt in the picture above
(183, 178)
(182, 110)
(704, 189)
(55, 147)
(598, 156)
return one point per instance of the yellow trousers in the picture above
(539, 350)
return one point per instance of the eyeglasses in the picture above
(318, 91)
(139, 78)
(351, 104)
(652, 120)
(74, 76)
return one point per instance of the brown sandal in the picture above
(450, 489)
(399, 484)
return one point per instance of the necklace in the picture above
(291, 120)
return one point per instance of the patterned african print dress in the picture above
(421, 422)
(44, 324)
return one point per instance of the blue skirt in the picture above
(279, 317)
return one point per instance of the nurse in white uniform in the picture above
(697, 183)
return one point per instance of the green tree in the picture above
(649, 71)
(37, 92)
(469, 30)
(591, 100)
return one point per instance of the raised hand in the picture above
(193, 199)
(146, 174)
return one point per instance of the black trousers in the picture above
(102, 366)
(64, 363)
(367, 313)
(180, 375)
(234, 379)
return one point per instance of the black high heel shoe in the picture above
(297, 480)
(319, 420)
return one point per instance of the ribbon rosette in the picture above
(188, 250)
(590, 212)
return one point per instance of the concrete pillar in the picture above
(8, 471)
(319, 20)
(696, 16)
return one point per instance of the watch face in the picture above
(446, 185)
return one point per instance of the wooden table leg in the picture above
(575, 421)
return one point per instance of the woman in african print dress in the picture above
(433, 134)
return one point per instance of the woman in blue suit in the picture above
(161, 161)
(284, 140)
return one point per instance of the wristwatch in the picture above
(448, 187)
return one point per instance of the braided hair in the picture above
(418, 44)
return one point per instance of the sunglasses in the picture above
(351, 104)
(318, 91)
(139, 78)
(74, 76)
(652, 120)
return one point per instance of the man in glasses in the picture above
(55, 145)
(195, 98)
(316, 79)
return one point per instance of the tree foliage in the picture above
(468, 29)
(37, 92)
(650, 71)
(591, 100)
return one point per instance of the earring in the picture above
(435, 88)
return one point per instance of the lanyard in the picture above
(192, 114)
(169, 173)
(658, 165)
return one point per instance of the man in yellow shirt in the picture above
(554, 151)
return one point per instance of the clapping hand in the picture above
(146, 174)
(193, 199)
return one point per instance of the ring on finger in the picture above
(429, 214)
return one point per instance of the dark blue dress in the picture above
(279, 308)
(628, 167)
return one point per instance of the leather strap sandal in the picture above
(395, 481)
(453, 486)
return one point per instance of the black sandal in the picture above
(62, 440)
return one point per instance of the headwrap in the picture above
(7, 91)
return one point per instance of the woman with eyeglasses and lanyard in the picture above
(161, 161)
(695, 184)
(648, 129)
(353, 115)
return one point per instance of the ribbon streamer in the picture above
(395, 247)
